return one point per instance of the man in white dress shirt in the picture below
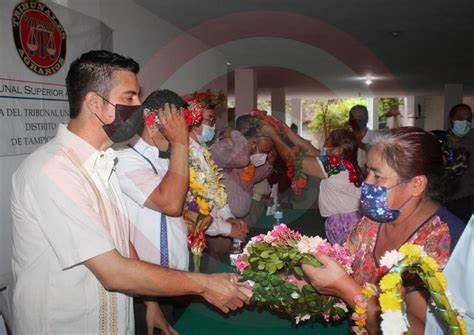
(154, 180)
(74, 267)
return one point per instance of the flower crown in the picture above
(198, 102)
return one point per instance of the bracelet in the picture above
(360, 309)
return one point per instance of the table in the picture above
(201, 318)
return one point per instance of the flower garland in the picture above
(334, 165)
(359, 316)
(205, 192)
(205, 183)
(412, 257)
(273, 263)
(150, 117)
(198, 102)
(248, 172)
(295, 168)
(259, 115)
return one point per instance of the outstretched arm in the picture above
(118, 273)
(298, 140)
(310, 164)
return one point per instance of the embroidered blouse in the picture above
(437, 235)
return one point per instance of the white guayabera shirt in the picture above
(67, 208)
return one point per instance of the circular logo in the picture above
(39, 37)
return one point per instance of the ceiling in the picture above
(319, 48)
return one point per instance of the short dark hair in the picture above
(243, 122)
(93, 71)
(457, 107)
(157, 99)
(345, 139)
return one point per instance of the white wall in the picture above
(139, 34)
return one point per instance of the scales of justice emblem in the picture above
(39, 37)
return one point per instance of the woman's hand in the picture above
(330, 278)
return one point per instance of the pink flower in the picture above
(241, 264)
(259, 238)
(326, 317)
(279, 230)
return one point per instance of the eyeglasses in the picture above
(211, 120)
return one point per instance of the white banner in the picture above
(39, 40)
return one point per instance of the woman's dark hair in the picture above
(93, 72)
(346, 140)
(412, 152)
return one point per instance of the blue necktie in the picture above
(164, 242)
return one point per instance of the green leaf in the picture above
(298, 271)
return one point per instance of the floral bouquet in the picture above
(259, 115)
(413, 258)
(205, 192)
(273, 262)
(294, 168)
(197, 224)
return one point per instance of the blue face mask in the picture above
(374, 205)
(206, 135)
(461, 127)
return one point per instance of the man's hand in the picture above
(239, 229)
(223, 290)
(155, 319)
(173, 125)
(267, 130)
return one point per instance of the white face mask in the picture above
(258, 159)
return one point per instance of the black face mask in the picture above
(127, 122)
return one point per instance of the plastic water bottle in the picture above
(278, 215)
(235, 251)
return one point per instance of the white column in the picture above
(373, 109)
(278, 98)
(296, 114)
(409, 111)
(452, 96)
(414, 113)
(245, 91)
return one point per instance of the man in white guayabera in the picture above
(74, 266)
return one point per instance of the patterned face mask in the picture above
(373, 203)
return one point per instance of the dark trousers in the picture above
(171, 308)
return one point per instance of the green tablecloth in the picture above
(201, 318)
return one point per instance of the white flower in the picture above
(268, 239)
(309, 245)
(391, 258)
(294, 295)
(304, 245)
(341, 305)
(300, 318)
(393, 323)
